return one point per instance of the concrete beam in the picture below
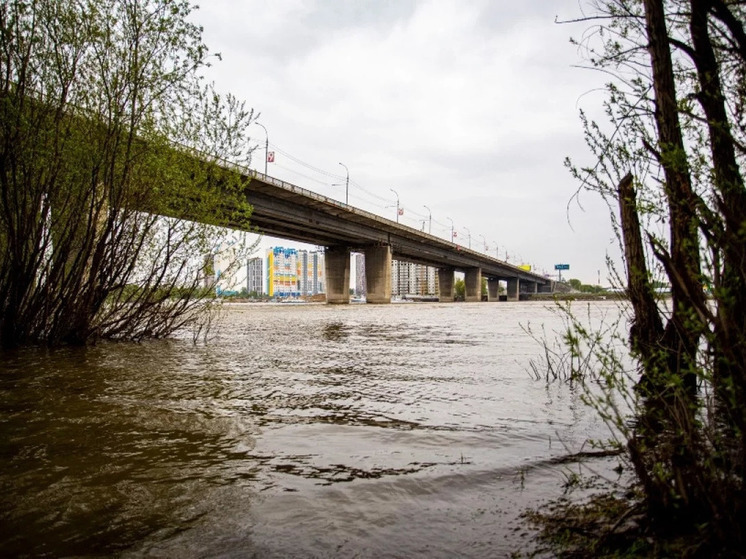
(547, 287)
(337, 266)
(445, 280)
(514, 285)
(378, 274)
(473, 281)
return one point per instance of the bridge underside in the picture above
(287, 211)
(378, 265)
(290, 212)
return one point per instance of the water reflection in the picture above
(105, 446)
(292, 430)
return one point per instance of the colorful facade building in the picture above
(294, 273)
(282, 272)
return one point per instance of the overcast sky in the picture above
(466, 107)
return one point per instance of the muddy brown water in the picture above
(410, 430)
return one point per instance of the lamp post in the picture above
(266, 145)
(468, 233)
(397, 203)
(347, 185)
(484, 242)
(449, 219)
(497, 253)
(430, 220)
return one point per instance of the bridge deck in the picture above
(288, 211)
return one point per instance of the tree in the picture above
(675, 156)
(104, 127)
(459, 290)
(575, 284)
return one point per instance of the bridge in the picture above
(281, 209)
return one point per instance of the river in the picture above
(403, 430)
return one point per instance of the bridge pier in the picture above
(337, 267)
(493, 289)
(513, 289)
(473, 284)
(532, 286)
(378, 274)
(445, 280)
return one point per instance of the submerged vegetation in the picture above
(102, 110)
(671, 168)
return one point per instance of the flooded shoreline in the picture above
(295, 431)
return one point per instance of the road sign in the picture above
(561, 266)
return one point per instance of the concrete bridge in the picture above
(284, 210)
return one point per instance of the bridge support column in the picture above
(473, 281)
(445, 280)
(532, 286)
(337, 267)
(513, 289)
(493, 289)
(378, 274)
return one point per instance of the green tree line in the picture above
(105, 123)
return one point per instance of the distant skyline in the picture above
(461, 111)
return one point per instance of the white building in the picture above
(311, 272)
(408, 278)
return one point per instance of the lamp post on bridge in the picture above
(347, 185)
(449, 219)
(266, 145)
(484, 241)
(397, 203)
(497, 253)
(468, 233)
(430, 220)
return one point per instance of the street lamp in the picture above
(430, 219)
(449, 219)
(397, 203)
(497, 254)
(484, 241)
(468, 233)
(266, 146)
(347, 185)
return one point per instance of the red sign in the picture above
(270, 157)
(401, 211)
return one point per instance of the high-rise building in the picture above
(227, 269)
(292, 272)
(318, 272)
(303, 272)
(282, 272)
(408, 278)
(254, 276)
(311, 272)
